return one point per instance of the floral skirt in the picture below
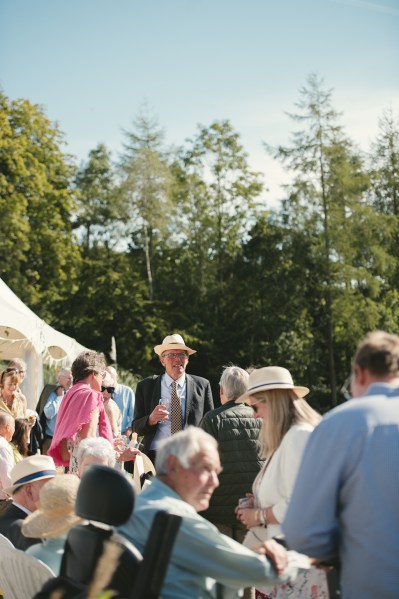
(309, 584)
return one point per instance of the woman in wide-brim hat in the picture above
(53, 519)
(287, 422)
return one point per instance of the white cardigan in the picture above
(274, 484)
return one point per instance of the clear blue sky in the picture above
(92, 63)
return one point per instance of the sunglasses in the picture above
(109, 390)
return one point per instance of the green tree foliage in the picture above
(37, 254)
(327, 202)
(100, 208)
(147, 185)
(223, 189)
(178, 241)
(385, 165)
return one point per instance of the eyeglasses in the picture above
(109, 390)
(14, 370)
(345, 389)
(173, 356)
(96, 373)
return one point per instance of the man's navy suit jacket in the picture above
(199, 400)
(10, 526)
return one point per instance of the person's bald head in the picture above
(113, 373)
(7, 426)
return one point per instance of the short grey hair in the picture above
(96, 447)
(234, 381)
(64, 372)
(112, 371)
(184, 445)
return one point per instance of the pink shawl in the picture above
(75, 411)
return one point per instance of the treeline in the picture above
(180, 239)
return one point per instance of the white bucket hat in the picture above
(271, 377)
(30, 469)
(173, 342)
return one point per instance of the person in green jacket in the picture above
(237, 432)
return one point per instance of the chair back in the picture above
(5, 542)
(105, 496)
(157, 552)
(21, 575)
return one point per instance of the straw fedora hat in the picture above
(56, 508)
(270, 377)
(173, 342)
(30, 469)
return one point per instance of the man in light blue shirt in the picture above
(187, 465)
(346, 498)
(124, 398)
(52, 405)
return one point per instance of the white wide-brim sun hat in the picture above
(270, 377)
(56, 509)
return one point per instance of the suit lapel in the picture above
(156, 392)
(189, 396)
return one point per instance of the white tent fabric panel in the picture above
(24, 335)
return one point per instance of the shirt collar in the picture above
(179, 382)
(381, 389)
(22, 507)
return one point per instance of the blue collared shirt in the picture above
(346, 498)
(201, 554)
(124, 398)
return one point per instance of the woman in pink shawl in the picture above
(82, 413)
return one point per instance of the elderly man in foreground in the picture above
(187, 467)
(351, 466)
(28, 476)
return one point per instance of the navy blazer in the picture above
(10, 526)
(199, 400)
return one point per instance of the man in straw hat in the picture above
(169, 402)
(345, 501)
(28, 476)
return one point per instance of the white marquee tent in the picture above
(24, 335)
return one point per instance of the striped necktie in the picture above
(176, 424)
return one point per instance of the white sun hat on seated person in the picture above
(30, 469)
(173, 342)
(270, 377)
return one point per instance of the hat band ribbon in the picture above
(34, 476)
(268, 384)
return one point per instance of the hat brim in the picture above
(299, 391)
(148, 466)
(40, 526)
(159, 349)
(13, 488)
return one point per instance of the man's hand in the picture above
(159, 414)
(127, 455)
(277, 553)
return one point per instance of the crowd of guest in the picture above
(254, 479)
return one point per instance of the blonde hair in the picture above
(284, 409)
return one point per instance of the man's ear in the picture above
(28, 490)
(172, 465)
(361, 375)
